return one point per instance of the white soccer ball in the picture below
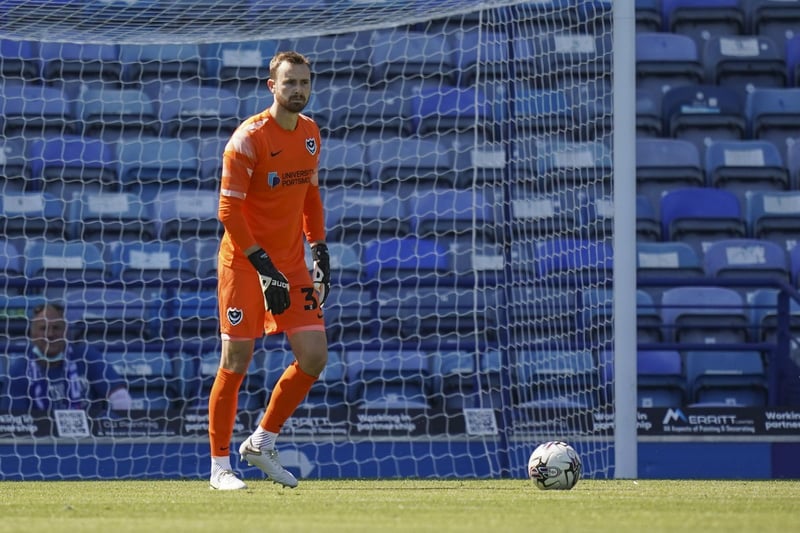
(554, 465)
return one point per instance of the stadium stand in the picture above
(703, 19)
(726, 378)
(774, 216)
(661, 381)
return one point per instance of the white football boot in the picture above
(226, 480)
(267, 461)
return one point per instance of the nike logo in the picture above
(320, 315)
(273, 154)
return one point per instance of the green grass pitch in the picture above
(491, 506)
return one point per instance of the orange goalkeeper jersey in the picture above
(270, 191)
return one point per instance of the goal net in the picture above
(466, 172)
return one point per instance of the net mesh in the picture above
(466, 174)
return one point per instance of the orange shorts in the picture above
(241, 304)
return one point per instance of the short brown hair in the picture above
(295, 58)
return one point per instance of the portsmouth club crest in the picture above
(311, 145)
(234, 315)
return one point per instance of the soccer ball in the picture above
(554, 465)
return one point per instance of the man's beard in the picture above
(294, 106)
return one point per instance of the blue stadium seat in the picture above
(345, 263)
(338, 58)
(31, 215)
(20, 60)
(649, 327)
(764, 311)
(701, 113)
(479, 55)
(359, 215)
(709, 315)
(793, 61)
(776, 19)
(350, 316)
(568, 54)
(155, 262)
(35, 110)
(774, 216)
(420, 162)
(187, 214)
(700, 215)
(660, 379)
(114, 113)
(648, 225)
(380, 380)
(82, 62)
(546, 215)
(188, 110)
(703, 19)
(736, 379)
(399, 53)
(478, 162)
(152, 381)
(793, 163)
(666, 164)
(554, 310)
(555, 379)
(451, 214)
(11, 260)
(481, 262)
(744, 62)
(191, 315)
(342, 162)
(771, 112)
(541, 111)
(390, 260)
(668, 259)
(14, 168)
(107, 314)
(240, 66)
(649, 123)
(15, 313)
(448, 109)
(361, 113)
(747, 165)
(648, 16)
(574, 259)
(666, 60)
(71, 163)
(209, 155)
(564, 163)
(142, 63)
(747, 258)
(150, 164)
(596, 315)
(109, 217)
(56, 262)
(454, 379)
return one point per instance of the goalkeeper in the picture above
(269, 200)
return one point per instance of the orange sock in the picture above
(222, 405)
(290, 390)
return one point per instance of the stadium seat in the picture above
(345, 263)
(454, 380)
(57, 262)
(555, 379)
(31, 215)
(342, 162)
(399, 54)
(667, 164)
(209, 155)
(764, 306)
(541, 112)
(66, 164)
(574, 259)
(35, 110)
(187, 214)
(451, 214)
(11, 260)
(112, 113)
(330, 389)
(81, 62)
(154, 263)
(191, 315)
(109, 217)
(546, 215)
(478, 163)
(381, 380)
(708, 315)
(142, 63)
(564, 163)
(793, 162)
(748, 165)
(189, 111)
(359, 215)
(20, 60)
(338, 58)
(648, 16)
(648, 226)
(771, 114)
(670, 259)
(393, 259)
(666, 60)
(350, 316)
(479, 55)
(15, 313)
(793, 61)
(703, 19)
(14, 168)
(409, 161)
(776, 19)
(744, 62)
(107, 314)
(203, 252)
(444, 110)
(568, 54)
(702, 113)
(554, 310)
(649, 123)
(700, 215)
(240, 66)
(481, 262)
(735, 379)
(151, 164)
(747, 258)
(660, 380)
(597, 315)
(152, 382)
(648, 318)
(364, 113)
(774, 216)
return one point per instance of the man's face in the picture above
(48, 331)
(291, 86)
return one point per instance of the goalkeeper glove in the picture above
(273, 282)
(322, 271)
